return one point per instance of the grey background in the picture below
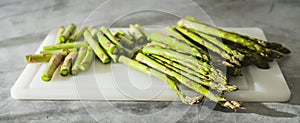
(25, 23)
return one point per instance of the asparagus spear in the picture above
(35, 58)
(77, 34)
(81, 54)
(175, 73)
(96, 47)
(67, 33)
(58, 34)
(176, 44)
(187, 82)
(64, 52)
(66, 46)
(208, 45)
(110, 36)
(106, 44)
(125, 41)
(93, 30)
(86, 61)
(51, 67)
(149, 71)
(136, 34)
(220, 44)
(124, 34)
(173, 33)
(143, 31)
(271, 45)
(67, 64)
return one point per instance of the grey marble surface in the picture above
(25, 23)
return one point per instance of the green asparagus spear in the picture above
(121, 32)
(96, 47)
(77, 34)
(67, 64)
(136, 34)
(87, 60)
(208, 45)
(125, 41)
(187, 82)
(110, 36)
(106, 44)
(149, 71)
(175, 73)
(173, 33)
(220, 44)
(93, 30)
(64, 52)
(58, 34)
(36, 58)
(81, 54)
(176, 44)
(67, 33)
(66, 46)
(51, 67)
(143, 31)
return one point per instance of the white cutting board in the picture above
(119, 82)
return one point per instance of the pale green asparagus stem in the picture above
(67, 64)
(51, 67)
(77, 34)
(78, 60)
(138, 37)
(67, 33)
(87, 60)
(66, 46)
(96, 47)
(58, 34)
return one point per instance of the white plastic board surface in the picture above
(119, 82)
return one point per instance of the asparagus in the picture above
(187, 82)
(124, 34)
(77, 34)
(176, 44)
(93, 30)
(66, 46)
(136, 34)
(149, 71)
(86, 61)
(58, 34)
(67, 33)
(64, 52)
(36, 58)
(54, 62)
(175, 73)
(208, 45)
(173, 33)
(271, 45)
(81, 54)
(96, 47)
(67, 64)
(106, 43)
(220, 44)
(125, 41)
(143, 31)
(109, 35)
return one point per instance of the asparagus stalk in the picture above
(271, 45)
(149, 71)
(173, 33)
(176, 73)
(64, 52)
(36, 58)
(143, 31)
(67, 64)
(176, 44)
(221, 45)
(208, 45)
(93, 30)
(87, 60)
(106, 44)
(81, 54)
(125, 41)
(51, 67)
(58, 34)
(96, 47)
(77, 34)
(67, 33)
(136, 34)
(124, 34)
(109, 35)
(66, 46)
(187, 82)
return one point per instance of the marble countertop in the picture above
(25, 23)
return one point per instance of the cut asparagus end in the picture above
(64, 72)
(46, 78)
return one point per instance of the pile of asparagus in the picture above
(191, 53)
